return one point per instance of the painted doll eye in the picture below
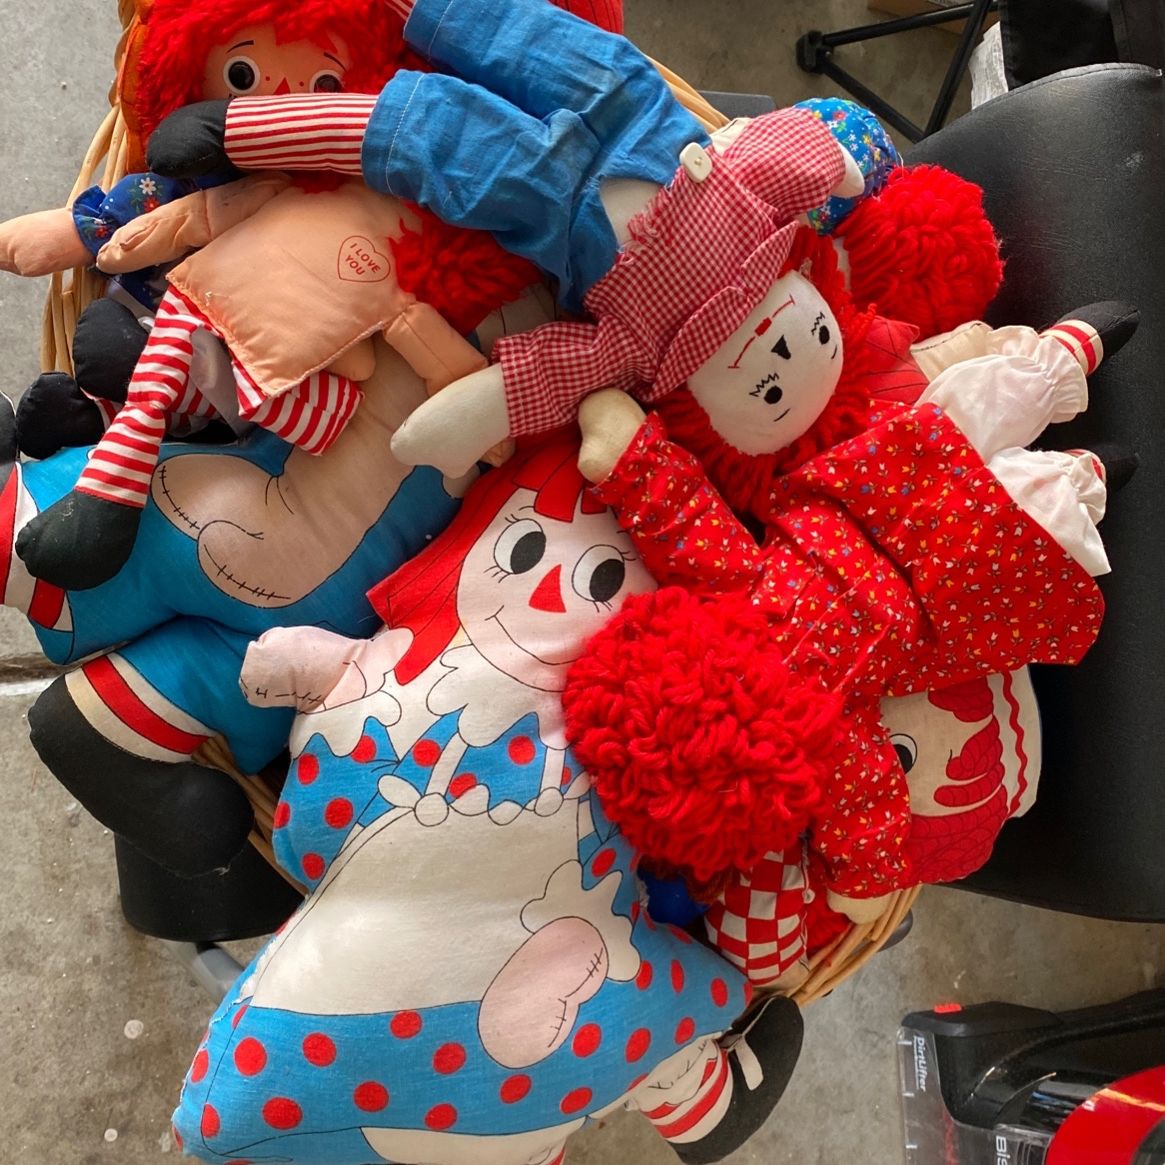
(824, 335)
(520, 547)
(600, 574)
(241, 75)
(327, 81)
(906, 749)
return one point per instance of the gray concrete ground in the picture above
(80, 1087)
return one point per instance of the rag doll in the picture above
(282, 253)
(234, 540)
(930, 549)
(563, 141)
(473, 976)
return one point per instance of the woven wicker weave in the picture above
(105, 163)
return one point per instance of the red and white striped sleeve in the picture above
(318, 131)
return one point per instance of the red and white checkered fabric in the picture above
(701, 257)
(758, 923)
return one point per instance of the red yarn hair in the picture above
(422, 594)
(703, 747)
(745, 479)
(176, 37)
(923, 250)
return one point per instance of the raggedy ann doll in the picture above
(906, 558)
(330, 241)
(564, 141)
(473, 977)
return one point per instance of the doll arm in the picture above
(171, 231)
(682, 528)
(313, 670)
(432, 347)
(41, 244)
(864, 824)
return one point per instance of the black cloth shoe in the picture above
(189, 819)
(54, 414)
(1113, 322)
(1120, 463)
(763, 1050)
(190, 143)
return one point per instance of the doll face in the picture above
(534, 589)
(773, 378)
(254, 65)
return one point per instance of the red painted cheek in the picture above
(548, 594)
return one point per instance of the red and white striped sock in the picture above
(318, 131)
(1082, 340)
(43, 603)
(311, 415)
(122, 463)
(702, 1108)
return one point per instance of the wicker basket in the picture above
(107, 161)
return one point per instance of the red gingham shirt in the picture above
(701, 257)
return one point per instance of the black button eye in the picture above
(823, 335)
(781, 348)
(327, 82)
(521, 547)
(241, 75)
(773, 395)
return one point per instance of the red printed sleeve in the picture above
(683, 529)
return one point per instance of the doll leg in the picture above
(310, 416)
(1065, 493)
(85, 538)
(709, 1098)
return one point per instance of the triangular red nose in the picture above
(548, 595)
(284, 88)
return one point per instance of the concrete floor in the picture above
(79, 1087)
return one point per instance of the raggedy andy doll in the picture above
(473, 976)
(564, 141)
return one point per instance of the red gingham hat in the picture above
(709, 248)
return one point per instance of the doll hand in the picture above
(42, 244)
(859, 910)
(170, 231)
(853, 183)
(455, 427)
(609, 420)
(190, 143)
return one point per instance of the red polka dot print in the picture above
(747, 992)
(685, 1030)
(365, 750)
(587, 1040)
(637, 1044)
(636, 911)
(405, 1024)
(682, 935)
(319, 1050)
(238, 1016)
(281, 816)
(719, 991)
(177, 1137)
(515, 1088)
(441, 1117)
(567, 777)
(199, 1068)
(645, 976)
(575, 1101)
(307, 769)
(677, 976)
(339, 813)
(636, 1082)
(313, 866)
(604, 860)
(370, 1096)
(250, 1057)
(210, 1124)
(521, 750)
(281, 1113)
(449, 1058)
(426, 753)
(461, 784)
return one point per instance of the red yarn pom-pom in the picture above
(703, 748)
(923, 250)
